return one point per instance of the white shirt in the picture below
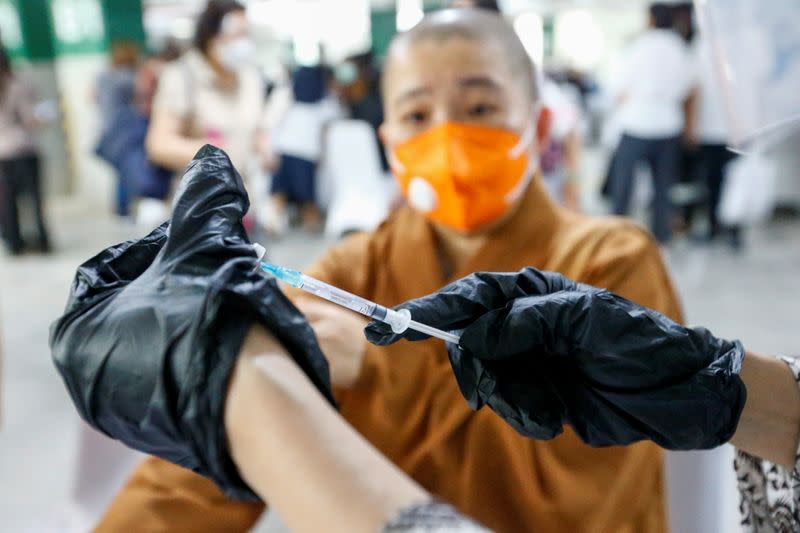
(712, 125)
(299, 133)
(231, 115)
(656, 75)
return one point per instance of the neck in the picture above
(456, 248)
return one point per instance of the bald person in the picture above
(463, 130)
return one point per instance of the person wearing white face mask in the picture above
(212, 95)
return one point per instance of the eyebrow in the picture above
(411, 94)
(479, 81)
(464, 83)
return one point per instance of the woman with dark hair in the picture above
(20, 174)
(212, 95)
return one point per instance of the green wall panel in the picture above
(78, 26)
(123, 21)
(383, 29)
(37, 29)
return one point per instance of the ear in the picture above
(382, 133)
(543, 126)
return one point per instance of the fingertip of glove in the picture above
(380, 334)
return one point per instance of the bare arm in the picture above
(690, 118)
(770, 423)
(297, 453)
(166, 143)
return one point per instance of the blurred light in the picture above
(182, 28)
(409, 13)
(530, 29)
(9, 26)
(78, 20)
(579, 38)
(306, 50)
(342, 28)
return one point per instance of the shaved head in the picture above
(481, 26)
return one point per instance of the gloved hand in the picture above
(153, 327)
(543, 351)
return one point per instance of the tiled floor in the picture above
(754, 296)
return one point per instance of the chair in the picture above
(351, 176)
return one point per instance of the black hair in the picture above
(5, 68)
(661, 16)
(209, 23)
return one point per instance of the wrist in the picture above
(770, 423)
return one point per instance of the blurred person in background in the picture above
(114, 94)
(463, 136)
(561, 158)
(358, 82)
(21, 114)
(298, 141)
(712, 134)
(652, 85)
(122, 143)
(211, 95)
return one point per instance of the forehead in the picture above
(438, 64)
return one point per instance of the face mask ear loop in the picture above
(523, 144)
(527, 136)
(395, 163)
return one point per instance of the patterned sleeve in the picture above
(432, 517)
(770, 494)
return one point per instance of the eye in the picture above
(415, 117)
(481, 110)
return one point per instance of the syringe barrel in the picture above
(340, 297)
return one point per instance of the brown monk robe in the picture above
(406, 400)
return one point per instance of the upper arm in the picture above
(628, 262)
(285, 437)
(172, 91)
(170, 106)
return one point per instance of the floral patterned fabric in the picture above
(770, 495)
(432, 517)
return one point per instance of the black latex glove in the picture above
(153, 327)
(543, 351)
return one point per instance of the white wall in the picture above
(93, 179)
(56, 177)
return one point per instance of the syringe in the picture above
(398, 320)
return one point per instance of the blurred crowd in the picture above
(295, 139)
(317, 155)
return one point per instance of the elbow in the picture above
(154, 149)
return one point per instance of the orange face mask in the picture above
(462, 175)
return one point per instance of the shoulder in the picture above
(608, 236)
(341, 264)
(618, 255)
(350, 262)
(674, 43)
